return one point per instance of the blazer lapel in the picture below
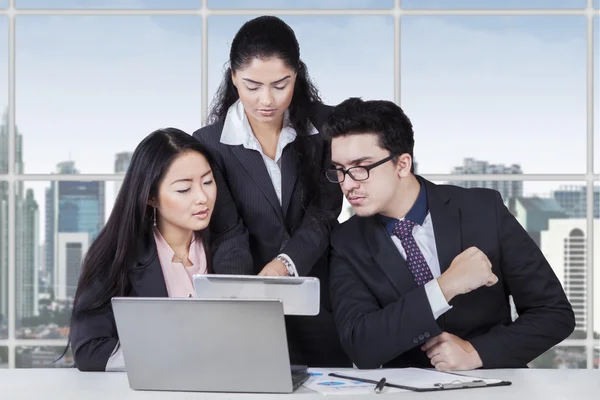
(147, 279)
(289, 176)
(445, 216)
(255, 165)
(388, 257)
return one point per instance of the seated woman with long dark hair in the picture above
(152, 244)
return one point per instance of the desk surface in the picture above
(70, 384)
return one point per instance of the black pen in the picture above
(380, 386)
(386, 383)
(352, 378)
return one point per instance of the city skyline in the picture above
(558, 267)
(508, 89)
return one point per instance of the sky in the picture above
(527, 4)
(510, 89)
(158, 4)
(503, 89)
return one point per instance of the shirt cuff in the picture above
(116, 363)
(437, 300)
(294, 272)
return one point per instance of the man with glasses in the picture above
(422, 274)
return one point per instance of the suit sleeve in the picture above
(93, 335)
(229, 236)
(311, 239)
(545, 315)
(372, 335)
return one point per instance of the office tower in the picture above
(564, 246)
(27, 261)
(122, 161)
(64, 168)
(4, 219)
(507, 189)
(26, 225)
(572, 198)
(75, 207)
(533, 213)
(71, 248)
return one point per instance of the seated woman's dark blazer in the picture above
(94, 336)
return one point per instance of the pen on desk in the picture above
(352, 378)
(380, 385)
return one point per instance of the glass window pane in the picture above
(56, 223)
(596, 306)
(597, 3)
(43, 357)
(596, 110)
(284, 4)
(562, 357)
(3, 357)
(3, 3)
(3, 185)
(107, 82)
(339, 75)
(553, 213)
(502, 4)
(4, 92)
(100, 4)
(506, 89)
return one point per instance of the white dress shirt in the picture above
(237, 131)
(425, 238)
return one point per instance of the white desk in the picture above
(70, 384)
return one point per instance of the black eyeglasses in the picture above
(359, 173)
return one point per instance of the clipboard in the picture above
(428, 380)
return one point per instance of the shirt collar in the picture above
(416, 214)
(237, 130)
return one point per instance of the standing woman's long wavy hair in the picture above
(267, 37)
(128, 230)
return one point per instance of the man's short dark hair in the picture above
(380, 117)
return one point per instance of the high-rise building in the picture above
(507, 189)
(27, 262)
(4, 219)
(51, 217)
(572, 198)
(564, 245)
(533, 213)
(122, 161)
(71, 248)
(75, 207)
(26, 225)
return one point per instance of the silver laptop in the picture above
(299, 295)
(205, 345)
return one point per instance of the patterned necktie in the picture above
(414, 258)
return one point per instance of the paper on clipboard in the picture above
(320, 380)
(421, 378)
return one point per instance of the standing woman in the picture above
(275, 209)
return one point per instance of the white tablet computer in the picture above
(299, 295)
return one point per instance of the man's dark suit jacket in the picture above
(383, 317)
(249, 228)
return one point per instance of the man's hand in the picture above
(469, 270)
(274, 268)
(448, 352)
